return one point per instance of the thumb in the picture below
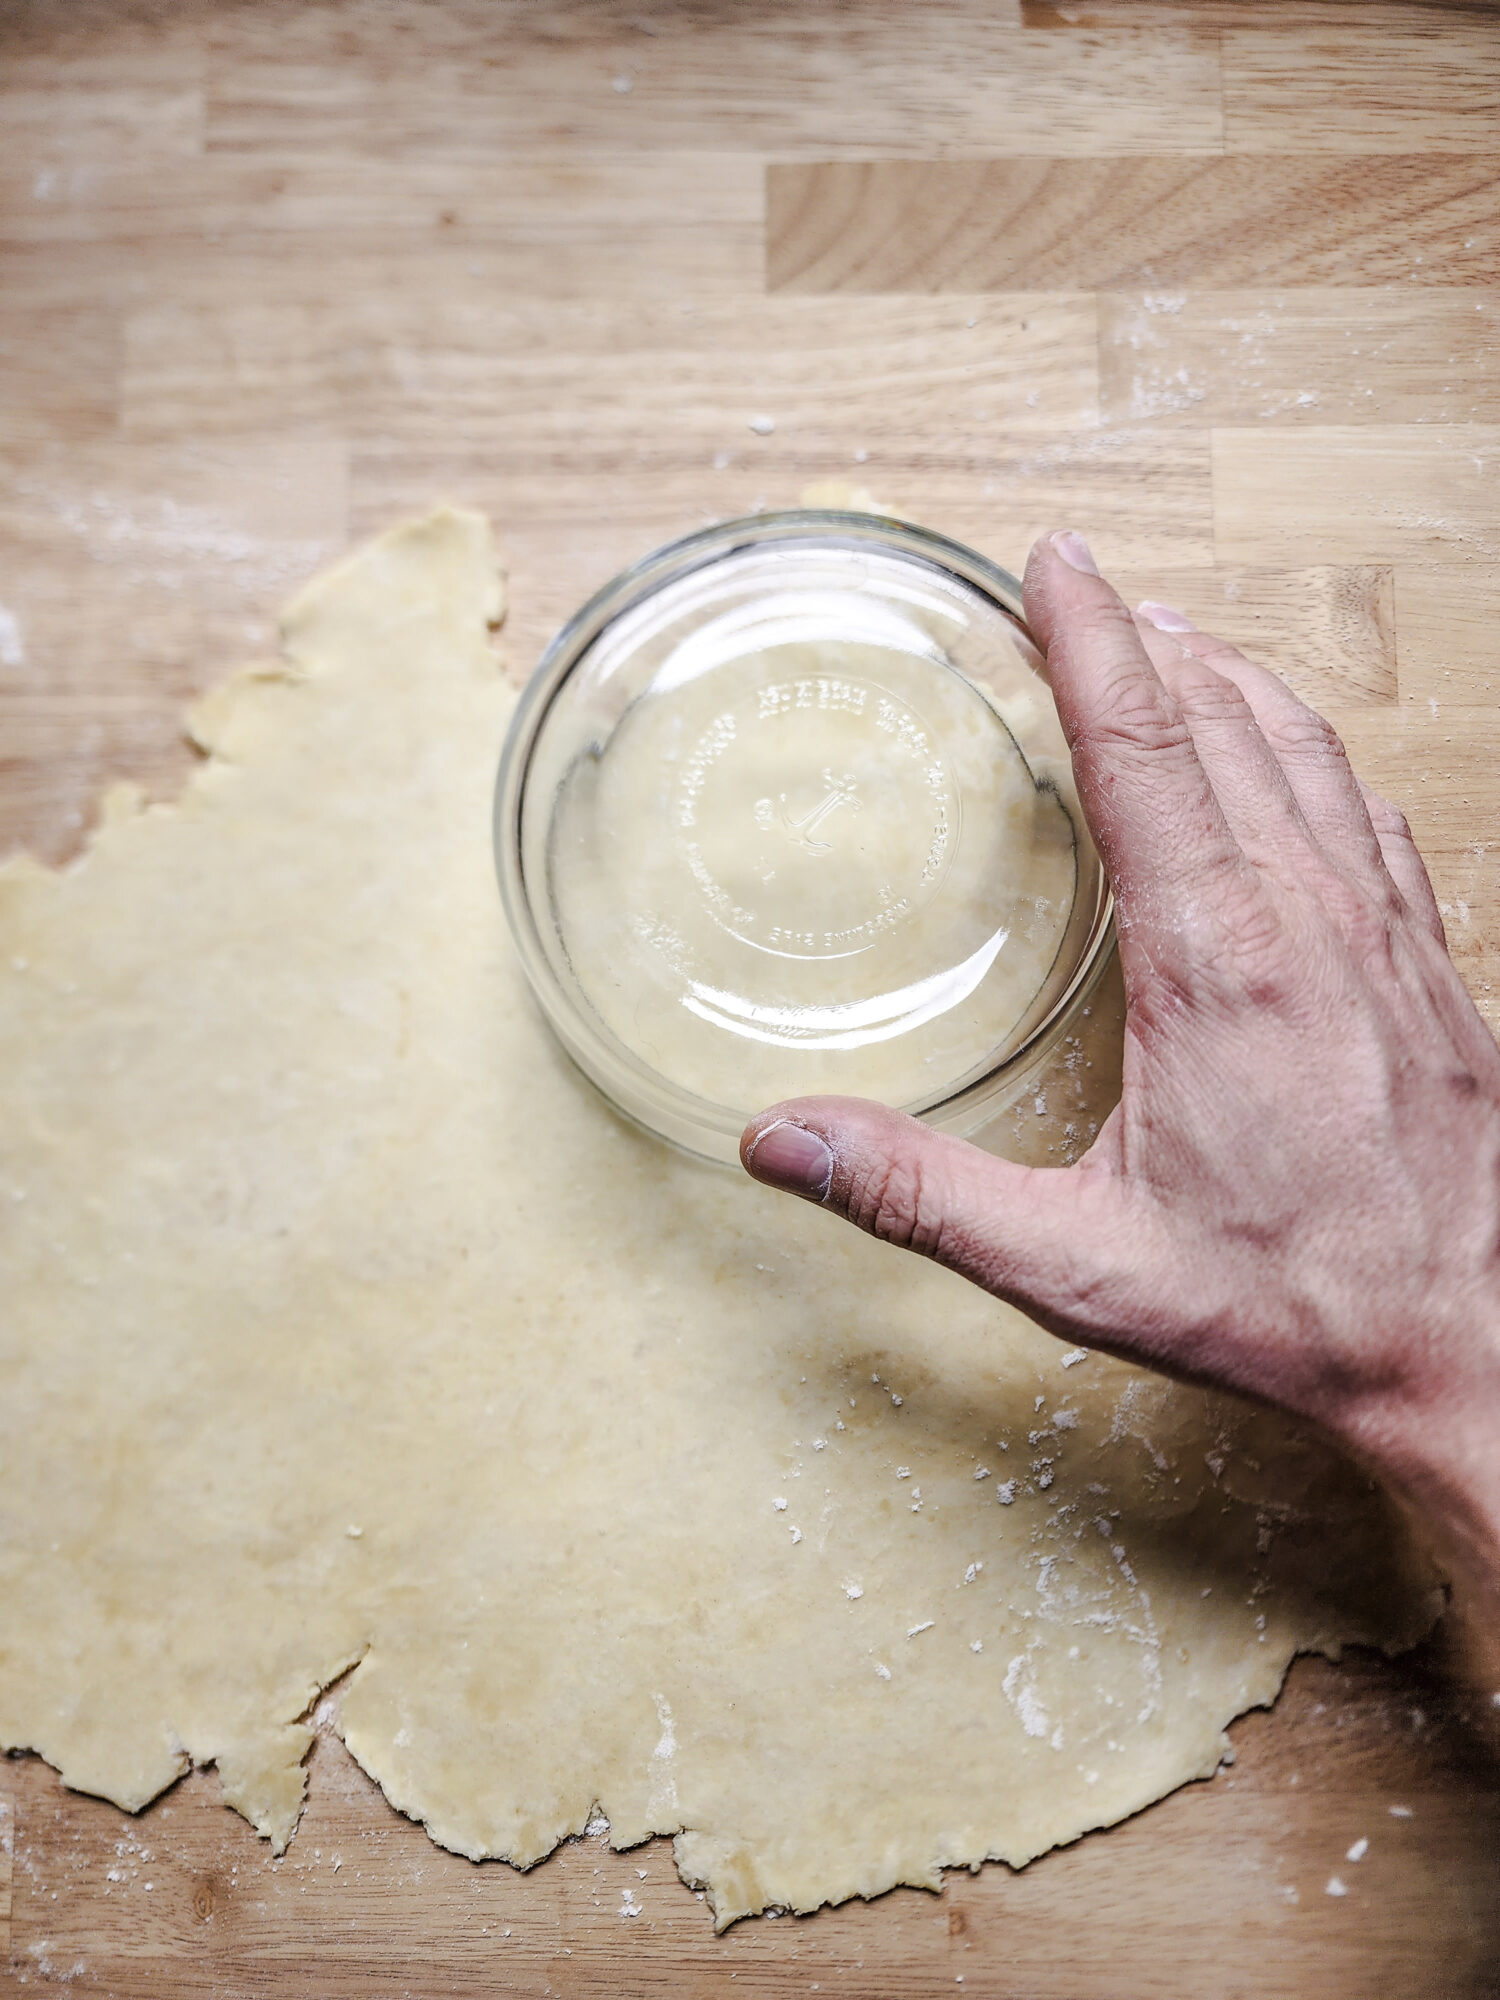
(1072, 1246)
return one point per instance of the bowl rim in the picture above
(671, 1112)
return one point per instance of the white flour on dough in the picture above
(343, 1323)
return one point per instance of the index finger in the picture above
(1159, 828)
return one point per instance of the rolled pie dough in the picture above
(343, 1323)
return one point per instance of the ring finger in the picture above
(1314, 761)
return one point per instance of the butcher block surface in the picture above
(1217, 283)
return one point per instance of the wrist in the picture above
(1434, 1438)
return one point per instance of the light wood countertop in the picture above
(1218, 283)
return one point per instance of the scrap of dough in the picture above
(343, 1323)
(843, 495)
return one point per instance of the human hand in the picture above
(1298, 1195)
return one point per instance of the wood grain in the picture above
(1376, 492)
(1109, 225)
(1449, 619)
(1329, 632)
(186, 1901)
(59, 372)
(570, 517)
(398, 206)
(272, 274)
(130, 580)
(1361, 88)
(7, 1867)
(1448, 671)
(1313, 356)
(547, 379)
(777, 77)
(1213, 18)
(309, 233)
(59, 111)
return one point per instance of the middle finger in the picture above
(1246, 776)
(1306, 746)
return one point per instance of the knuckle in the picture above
(1241, 949)
(1369, 927)
(894, 1202)
(1134, 715)
(1389, 822)
(1362, 914)
(1106, 625)
(1209, 698)
(1257, 932)
(1268, 966)
(1159, 1003)
(1303, 733)
(1216, 653)
(1272, 982)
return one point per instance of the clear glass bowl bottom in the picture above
(786, 809)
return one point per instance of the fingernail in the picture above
(1163, 616)
(790, 1157)
(1074, 551)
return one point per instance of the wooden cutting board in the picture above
(1218, 283)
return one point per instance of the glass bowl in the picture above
(786, 808)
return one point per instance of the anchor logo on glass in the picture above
(839, 791)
